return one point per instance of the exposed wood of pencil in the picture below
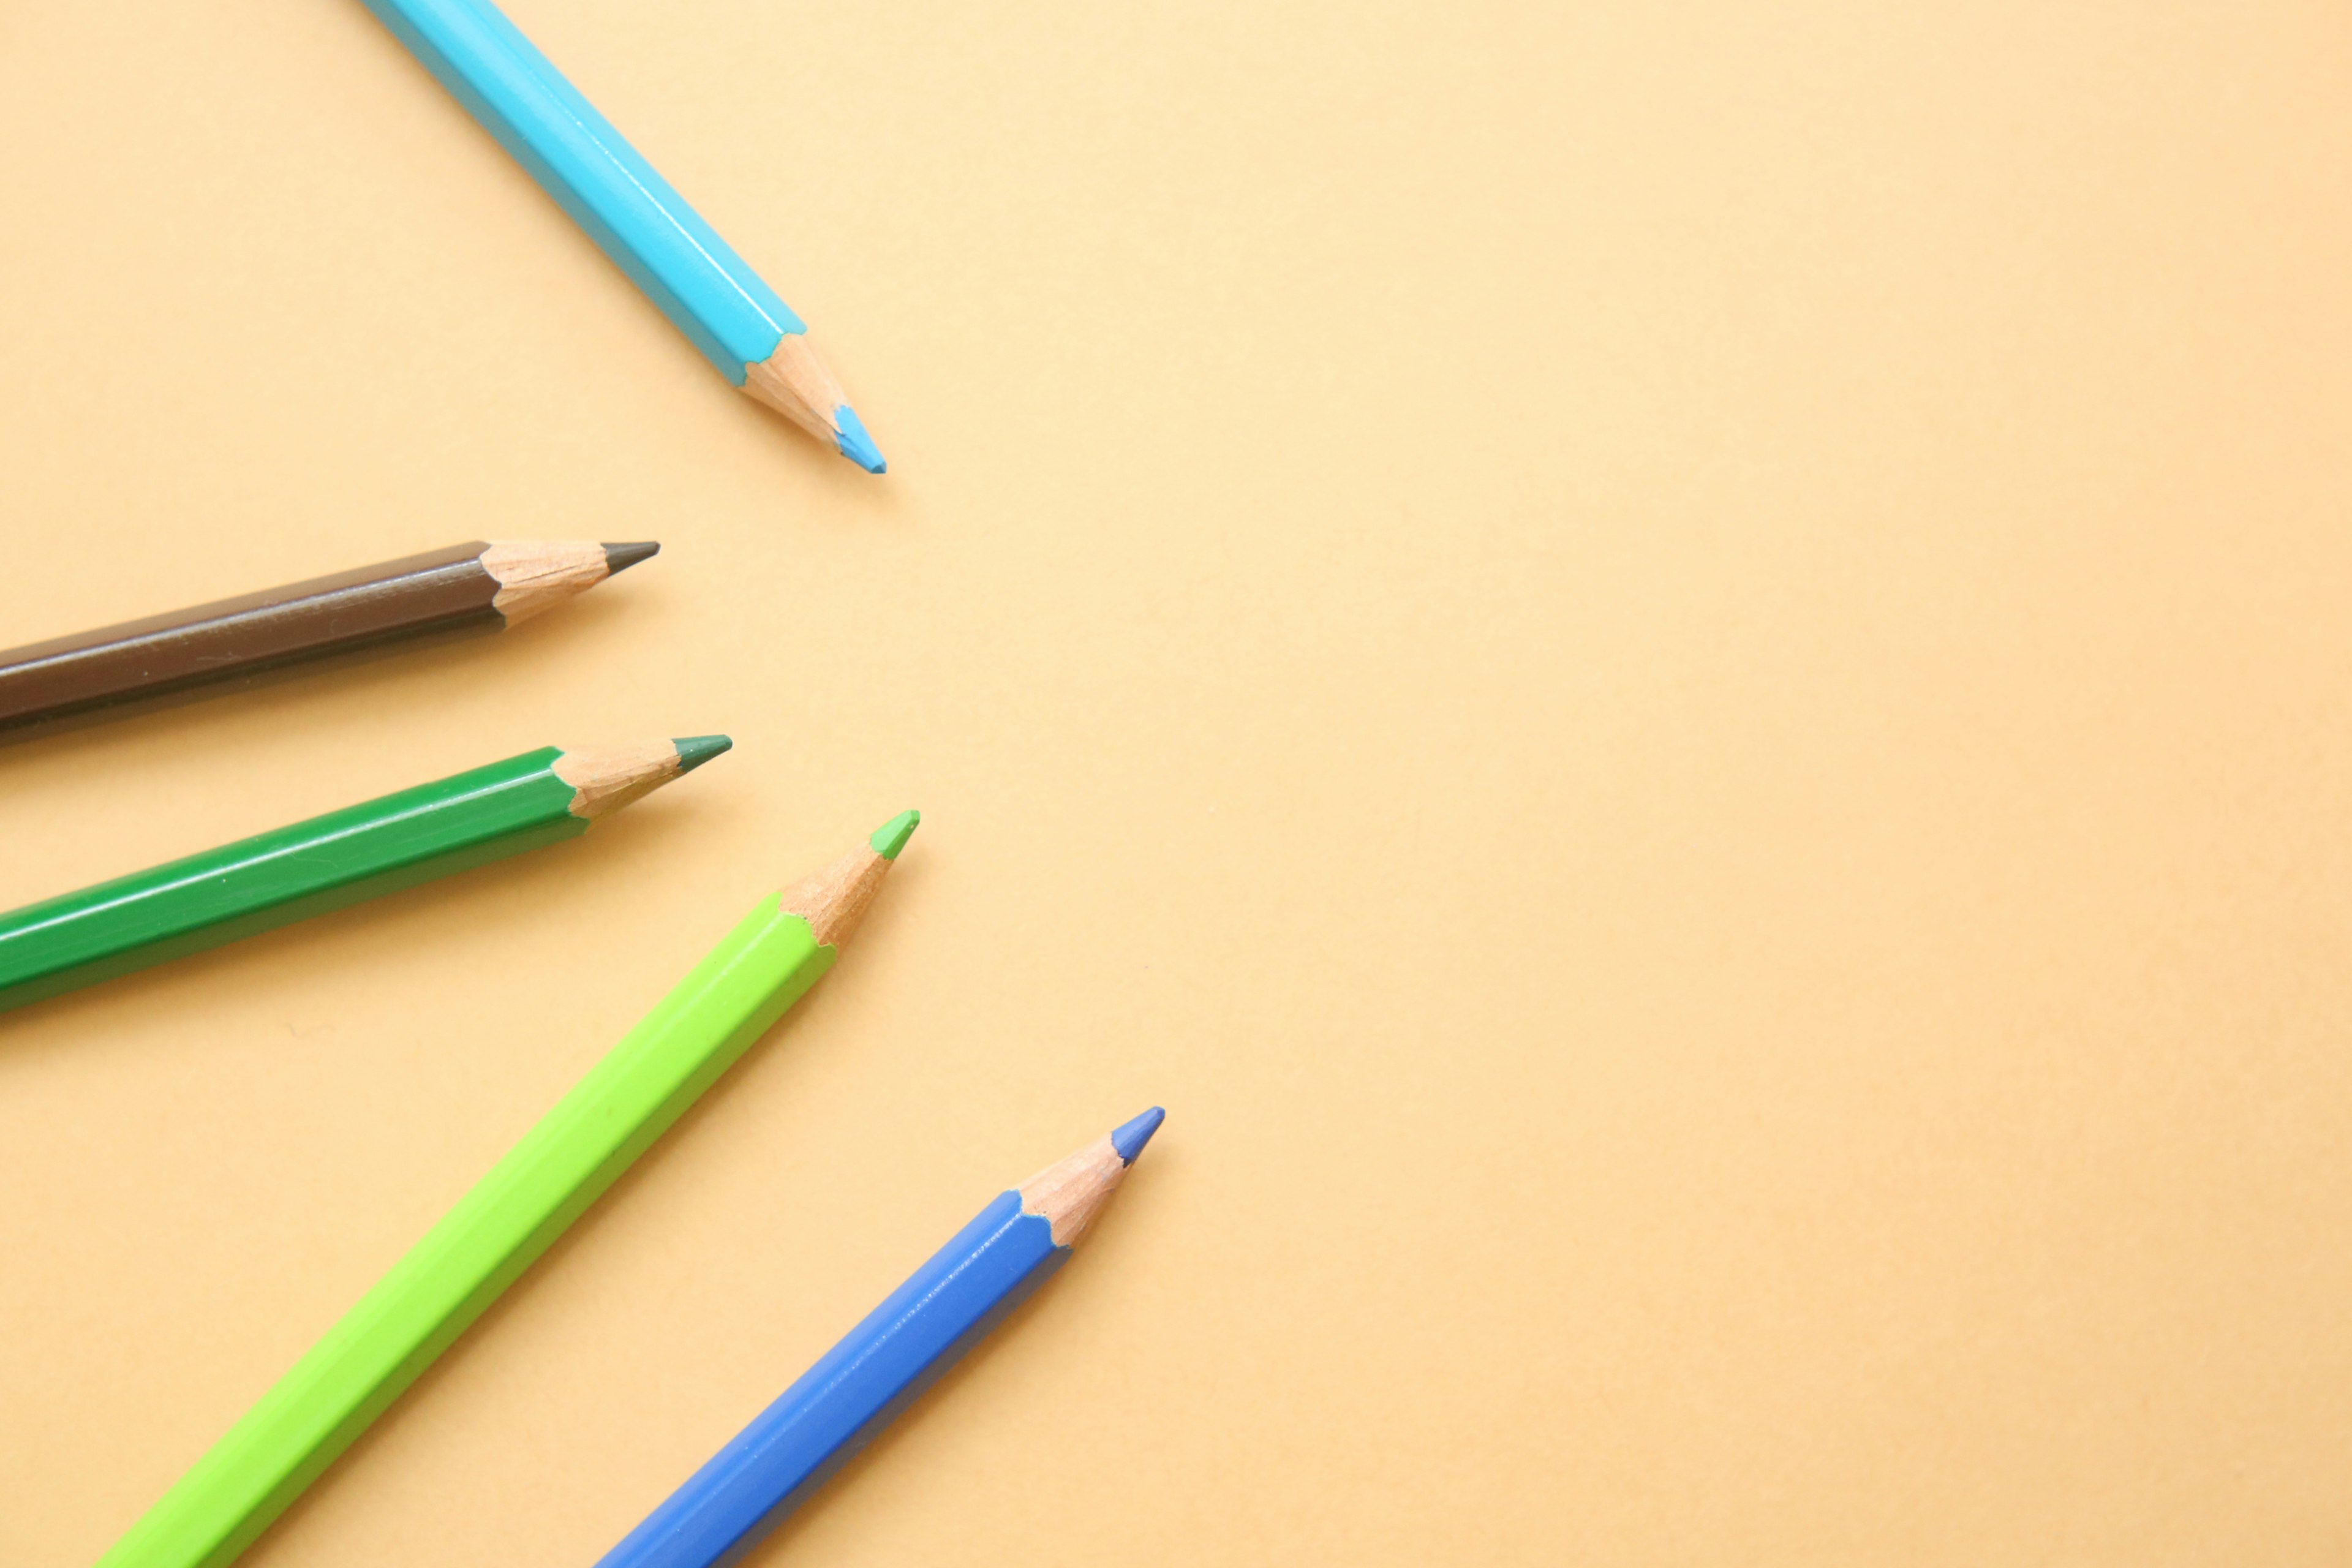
(468, 588)
(798, 384)
(1069, 1193)
(835, 900)
(607, 778)
(534, 576)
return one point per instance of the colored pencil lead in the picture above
(693, 750)
(1130, 1139)
(619, 558)
(892, 835)
(855, 444)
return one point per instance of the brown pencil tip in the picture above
(619, 558)
(835, 900)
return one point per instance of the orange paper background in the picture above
(1678, 674)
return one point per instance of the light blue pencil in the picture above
(729, 1506)
(664, 246)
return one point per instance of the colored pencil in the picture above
(725, 1509)
(511, 1215)
(478, 586)
(711, 295)
(328, 862)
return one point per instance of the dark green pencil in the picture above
(276, 878)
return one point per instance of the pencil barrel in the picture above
(495, 1232)
(841, 1404)
(165, 659)
(590, 169)
(275, 879)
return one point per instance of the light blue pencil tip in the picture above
(1129, 1140)
(854, 443)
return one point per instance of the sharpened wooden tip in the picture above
(1070, 1194)
(835, 900)
(534, 576)
(604, 779)
(799, 386)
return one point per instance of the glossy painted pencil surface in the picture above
(477, 586)
(326, 863)
(904, 1345)
(712, 296)
(511, 1215)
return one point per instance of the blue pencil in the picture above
(729, 1506)
(664, 246)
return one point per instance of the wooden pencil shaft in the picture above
(289, 874)
(511, 1215)
(799, 386)
(466, 589)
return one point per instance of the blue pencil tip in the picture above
(1129, 1140)
(854, 443)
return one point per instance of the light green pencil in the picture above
(316, 1411)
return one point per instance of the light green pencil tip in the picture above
(696, 750)
(892, 835)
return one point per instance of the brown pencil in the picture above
(478, 586)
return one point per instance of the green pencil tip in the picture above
(892, 835)
(696, 750)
